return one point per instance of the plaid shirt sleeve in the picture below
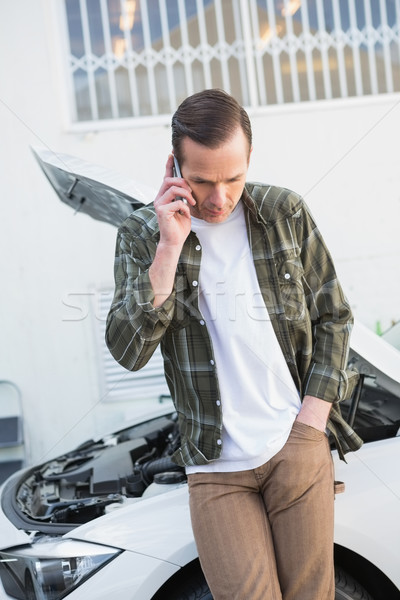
(134, 327)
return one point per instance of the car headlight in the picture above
(51, 569)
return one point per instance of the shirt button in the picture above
(198, 247)
(219, 442)
(202, 322)
(195, 283)
(218, 403)
(287, 275)
(212, 362)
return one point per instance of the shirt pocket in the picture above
(290, 277)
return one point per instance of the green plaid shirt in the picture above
(309, 313)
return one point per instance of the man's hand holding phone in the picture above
(172, 205)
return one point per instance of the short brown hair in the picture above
(210, 117)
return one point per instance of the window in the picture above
(136, 58)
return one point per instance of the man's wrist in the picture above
(314, 412)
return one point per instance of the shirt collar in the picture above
(251, 205)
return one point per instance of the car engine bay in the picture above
(77, 487)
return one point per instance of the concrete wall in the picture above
(341, 155)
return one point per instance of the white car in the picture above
(111, 517)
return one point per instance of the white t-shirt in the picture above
(259, 398)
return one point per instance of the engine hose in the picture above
(160, 465)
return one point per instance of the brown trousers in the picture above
(267, 533)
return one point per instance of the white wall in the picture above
(342, 155)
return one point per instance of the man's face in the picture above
(216, 176)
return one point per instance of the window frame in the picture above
(254, 106)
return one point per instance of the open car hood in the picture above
(103, 194)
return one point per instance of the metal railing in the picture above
(133, 58)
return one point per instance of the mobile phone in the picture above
(177, 173)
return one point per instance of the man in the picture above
(234, 281)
